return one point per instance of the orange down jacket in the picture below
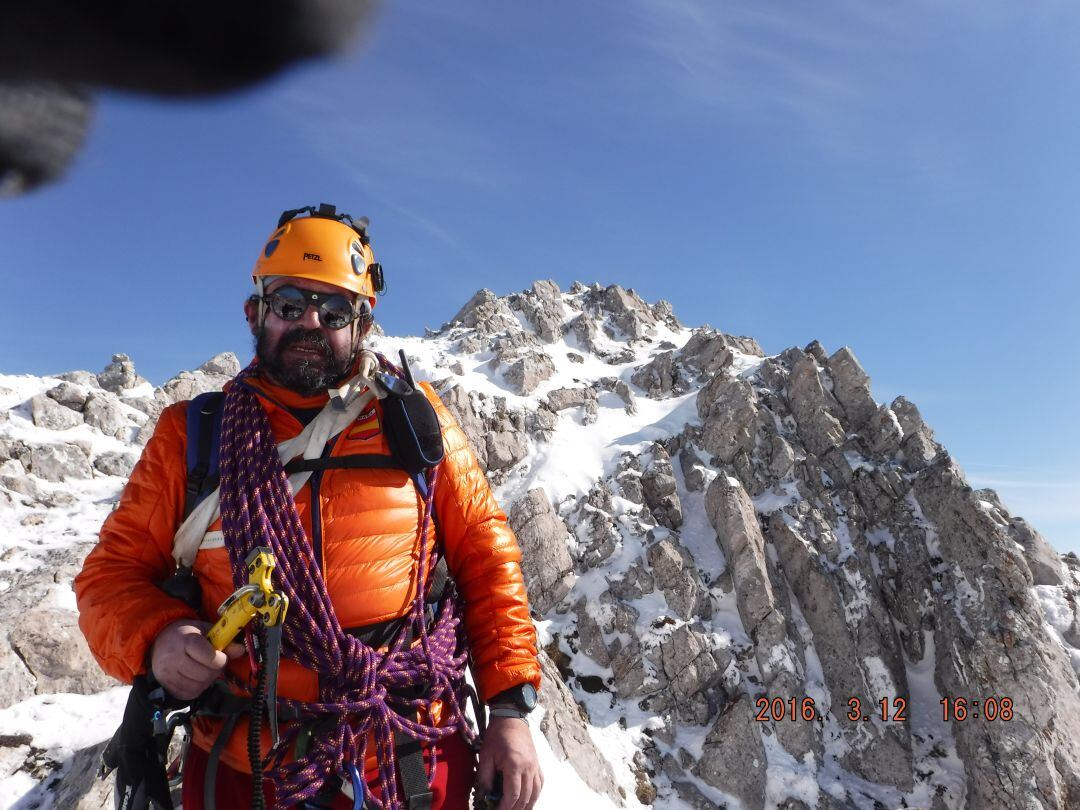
(364, 524)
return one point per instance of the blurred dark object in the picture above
(52, 54)
(42, 125)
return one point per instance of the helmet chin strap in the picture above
(362, 316)
(355, 341)
(260, 293)
(358, 373)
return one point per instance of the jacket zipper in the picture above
(316, 507)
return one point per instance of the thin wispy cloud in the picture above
(399, 160)
(1019, 483)
(850, 77)
(749, 60)
(1042, 501)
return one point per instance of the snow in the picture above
(857, 608)
(578, 454)
(697, 534)
(59, 725)
(26, 533)
(788, 777)
(965, 598)
(1060, 618)
(66, 723)
(15, 787)
(880, 681)
(845, 545)
(745, 366)
(880, 535)
(775, 499)
(933, 744)
(857, 461)
(935, 758)
(563, 787)
(933, 545)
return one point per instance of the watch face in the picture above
(528, 697)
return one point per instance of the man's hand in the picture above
(184, 662)
(508, 749)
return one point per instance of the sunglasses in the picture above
(335, 310)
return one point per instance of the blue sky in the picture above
(900, 178)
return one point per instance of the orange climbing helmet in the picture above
(322, 246)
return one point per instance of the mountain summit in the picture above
(755, 585)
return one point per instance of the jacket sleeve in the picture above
(121, 608)
(484, 559)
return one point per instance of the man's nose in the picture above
(310, 318)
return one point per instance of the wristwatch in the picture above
(517, 701)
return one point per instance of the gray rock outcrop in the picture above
(729, 411)
(676, 576)
(487, 313)
(69, 395)
(113, 463)
(49, 642)
(543, 309)
(706, 352)
(546, 561)
(210, 376)
(60, 462)
(690, 671)
(814, 407)
(49, 414)
(732, 514)
(565, 730)
(525, 374)
(105, 413)
(851, 387)
(119, 375)
(225, 364)
(632, 315)
(1005, 651)
(660, 377)
(458, 401)
(733, 758)
(496, 434)
(84, 379)
(81, 787)
(18, 682)
(660, 489)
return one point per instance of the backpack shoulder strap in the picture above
(203, 432)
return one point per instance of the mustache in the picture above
(312, 338)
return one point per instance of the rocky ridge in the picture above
(857, 560)
(761, 539)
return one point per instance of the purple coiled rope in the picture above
(360, 689)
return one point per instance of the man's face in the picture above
(302, 355)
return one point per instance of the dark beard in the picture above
(308, 377)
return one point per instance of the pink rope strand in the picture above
(360, 689)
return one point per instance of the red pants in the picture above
(232, 791)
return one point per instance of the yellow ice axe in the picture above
(257, 599)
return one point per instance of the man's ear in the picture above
(251, 312)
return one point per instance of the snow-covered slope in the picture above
(715, 541)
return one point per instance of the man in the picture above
(357, 548)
